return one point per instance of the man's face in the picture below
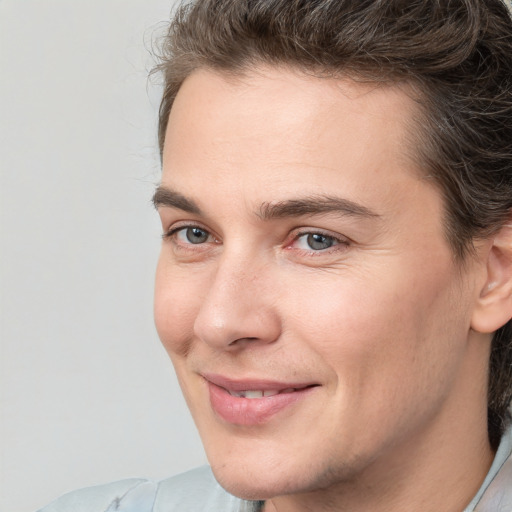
(304, 258)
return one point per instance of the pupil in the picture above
(196, 235)
(319, 242)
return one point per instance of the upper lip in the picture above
(254, 384)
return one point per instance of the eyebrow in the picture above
(311, 205)
(164, 196)
(315, 205)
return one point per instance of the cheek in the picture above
(376, 331)
(351, 330)
(391, 354)
(176, 303)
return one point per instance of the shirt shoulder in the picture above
(495, 494)
(193, 491)
(133, 495)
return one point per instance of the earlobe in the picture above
(494, 305)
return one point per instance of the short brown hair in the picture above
(456, 53)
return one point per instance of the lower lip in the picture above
(251, 411)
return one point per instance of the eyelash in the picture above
(338, 241)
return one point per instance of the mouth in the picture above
(262, 393)
(253, 402)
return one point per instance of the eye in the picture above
(192, 235)
(316, 241)
(186, 235)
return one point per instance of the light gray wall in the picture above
(87, 393)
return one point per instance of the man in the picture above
(335, 282)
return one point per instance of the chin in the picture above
(251, 485)
(263, 481)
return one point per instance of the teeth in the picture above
(250, 393)
(253, 394)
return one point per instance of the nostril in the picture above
(240, 340)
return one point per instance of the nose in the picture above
(240, 307)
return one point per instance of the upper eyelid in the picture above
(326, 235)
(176, 226)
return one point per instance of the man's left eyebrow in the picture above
(315, 205)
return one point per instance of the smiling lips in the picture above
(252, 402)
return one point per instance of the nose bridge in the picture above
(232, 280)
(238, 305)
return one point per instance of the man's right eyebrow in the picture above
(164, 196)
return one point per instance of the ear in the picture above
(494, 305)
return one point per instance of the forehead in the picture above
(271, 100)
(274, 125)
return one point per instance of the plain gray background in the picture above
(87, 393)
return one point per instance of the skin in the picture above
(381, 320)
